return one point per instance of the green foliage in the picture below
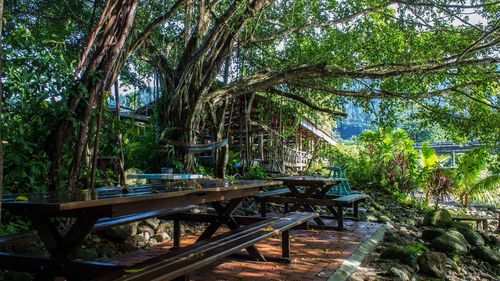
(436, 183)
(473, 179)
(384, 158)
(256, 172)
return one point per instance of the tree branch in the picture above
(305, 102)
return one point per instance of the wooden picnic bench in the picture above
(179, 263)
(90, 209)
(306, 192)
(481, 221)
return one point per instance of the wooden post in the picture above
(119, 137)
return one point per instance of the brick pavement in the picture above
(316, 254)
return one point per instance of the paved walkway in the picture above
(316, 255)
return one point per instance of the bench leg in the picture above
(285, 244)
(177, 233)
(182, 278)
(355, 209)
(340, 217)
(263, 210)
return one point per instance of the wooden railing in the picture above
(296, 158)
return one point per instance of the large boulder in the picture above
(394, 253)
(433, 264)
(399, 274)
(119, 233)
(473, 237)
(455, 233)
(494, 241)
(450, 244)
(439, 218)
(487, 254)
(431, 233)
(406, 254)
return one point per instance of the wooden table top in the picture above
(308, 180)
(116, 195)
(166, 176)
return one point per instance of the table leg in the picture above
(62, 246)
(225, 217)
(263, 210)
(340, 217)
(177, 233)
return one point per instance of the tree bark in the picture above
(119, 138)
(1, 107)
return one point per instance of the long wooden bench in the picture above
(347, 201)
(334, 205)
(481, 221)
(263, 196)
(177, 264)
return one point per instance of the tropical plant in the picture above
(474, 182)
(434, 181)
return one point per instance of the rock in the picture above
(139, 240)
(459, 236)
(474, 238)
(485, 236)
(371, 218)
(162, 237)
(405, 254)
(430, 234)
(152, 242)
(390, 237)
(494, 241)
(153, 223)
(384, 219)
(164, 227)
(403, 231)
(120, 233)
(487, 254)
(394, 253)
(146, 229)
(449, 244)
(398, 274)
(459, 224)
(433, 264)
(440, 217)
(411, 260)
(86, 254)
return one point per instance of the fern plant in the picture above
(473, 180)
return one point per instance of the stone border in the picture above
(350, 265)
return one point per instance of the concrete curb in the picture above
(350, 265)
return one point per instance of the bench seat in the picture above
(481, 221)
(180, 262)
(263, 198)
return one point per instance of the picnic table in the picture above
(306, 192)
(88, 207)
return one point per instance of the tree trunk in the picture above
(119, 138)
(107, 60)
(1, 106)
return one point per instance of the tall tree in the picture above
(97, 70)
(427, 54)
